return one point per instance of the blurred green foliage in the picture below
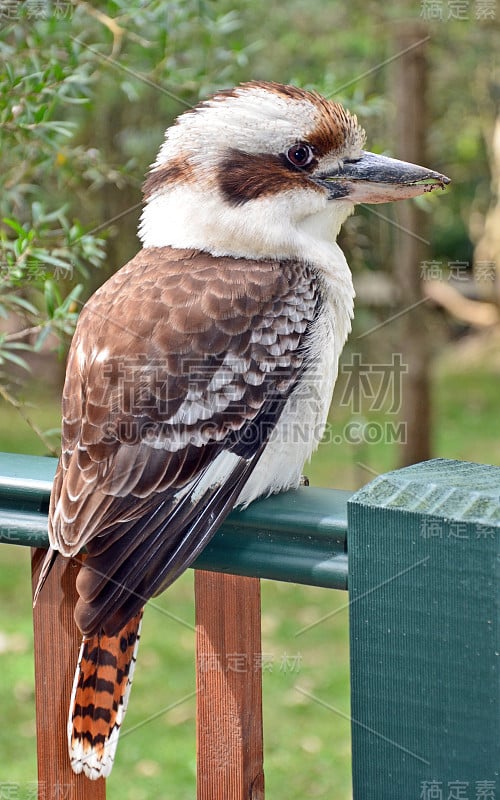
(86, 92)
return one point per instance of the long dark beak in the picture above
(379, 179)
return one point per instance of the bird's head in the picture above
(267, 171)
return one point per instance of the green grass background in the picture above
(307, 749)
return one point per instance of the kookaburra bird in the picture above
(191, 367)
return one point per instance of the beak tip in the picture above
(442, 180)
(437, 181)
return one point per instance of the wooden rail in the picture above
(424, 620)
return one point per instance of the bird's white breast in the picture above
(302, 423)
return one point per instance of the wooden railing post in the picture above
(229, 687)
(57, 642)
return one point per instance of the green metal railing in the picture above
(298, 537)
(419, 550)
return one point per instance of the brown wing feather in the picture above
(172, 361)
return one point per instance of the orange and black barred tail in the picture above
(99, 698)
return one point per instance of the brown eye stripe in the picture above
(175, 171)
(245, 176)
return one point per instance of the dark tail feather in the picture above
(44, 572)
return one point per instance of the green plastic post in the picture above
(423, 547)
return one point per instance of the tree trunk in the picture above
(409, 80)
(487, 249)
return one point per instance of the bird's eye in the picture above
(300, 155)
